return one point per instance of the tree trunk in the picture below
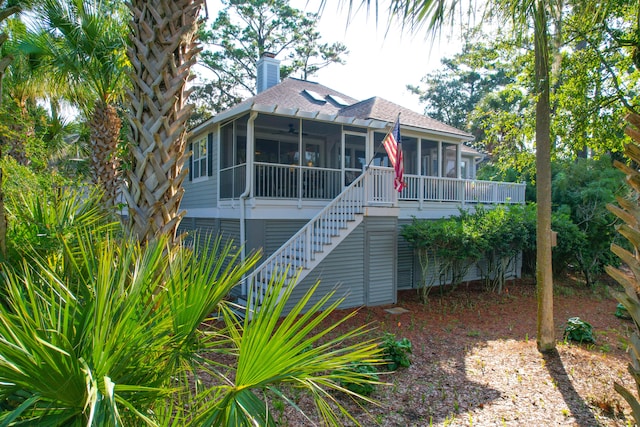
(105, 128)
(162, 52)
(544, 275)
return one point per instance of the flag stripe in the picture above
(393, 145)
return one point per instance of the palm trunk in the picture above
(544, 275)
(105, 128)
(162, 52)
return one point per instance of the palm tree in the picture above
(83, 43)
(435, 14)
(98, 330)
(163, 50)
(23, 83)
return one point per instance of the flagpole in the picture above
(375, 150)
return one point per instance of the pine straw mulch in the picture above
(475, 361)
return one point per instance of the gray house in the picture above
(298, 172)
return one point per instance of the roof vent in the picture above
(268, 72)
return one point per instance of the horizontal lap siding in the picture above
(230, 231)
(342, 268)
(199, 229)
(277, 232)
(202, 193)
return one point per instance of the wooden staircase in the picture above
(324, 232)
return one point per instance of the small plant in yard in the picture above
(578, 330)
(364, 371)
(622, 312)
(395, 352)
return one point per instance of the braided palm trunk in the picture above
(162, 51)
(105, 128)
(628, 211)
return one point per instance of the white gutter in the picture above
(247, 191)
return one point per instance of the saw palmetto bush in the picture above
(108, 332)
(628, 210)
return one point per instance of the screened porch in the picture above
(299, 159)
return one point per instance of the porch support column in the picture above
(343, 143)
(440, 159)
(459, 160)
(248, 191)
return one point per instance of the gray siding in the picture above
(381, 265)
(343, 269)
(381, 260)
(202, 231)
(204, 193)
(361, 268)
(269, 235)
(407, 262)
(277, 232)
(187, 225)
(230, 231)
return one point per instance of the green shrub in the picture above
(582, 189)
(622, 312)
(446, 248)
(395, 352)
(570, 240)
(578, 330)
(363, 382)
(503, 235)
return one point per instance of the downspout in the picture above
(247, 191)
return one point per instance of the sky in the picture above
(380, 62)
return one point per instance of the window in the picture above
(199, 159)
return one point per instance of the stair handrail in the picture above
(306, 230)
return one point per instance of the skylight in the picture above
(314, 95)
(338, 100)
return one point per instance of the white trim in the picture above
(196, 147)
(200, 179)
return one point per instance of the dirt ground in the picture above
(475, 361)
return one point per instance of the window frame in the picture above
(199, 159)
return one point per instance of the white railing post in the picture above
(366, 185)
(463, 185)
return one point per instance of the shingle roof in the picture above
(304, 96)
(381, 109)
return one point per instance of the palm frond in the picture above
(296, 349)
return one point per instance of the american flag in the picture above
(393, 144)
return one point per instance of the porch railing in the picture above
(293, 182)
(279, 181)
(436, 189)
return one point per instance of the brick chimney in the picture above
(268, 72)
